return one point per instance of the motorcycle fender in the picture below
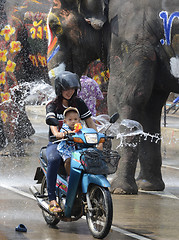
(99, 180)
(75, 175)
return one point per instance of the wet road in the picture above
(142, 216)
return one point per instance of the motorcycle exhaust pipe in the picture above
(40, 200)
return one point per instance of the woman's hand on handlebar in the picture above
(61, 135)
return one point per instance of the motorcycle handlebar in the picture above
(68, 137)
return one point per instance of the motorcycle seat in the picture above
(43, 153)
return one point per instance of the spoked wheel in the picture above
(51, 220)
(99, 219)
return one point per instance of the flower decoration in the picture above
(3, 116)
(7, 32)
(5, 96)
(97, 79)
(2, 78)
(3, 54)
(105, 75)
(77, 127)
(15, 46)
(10, 66)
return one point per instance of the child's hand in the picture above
(71, 131)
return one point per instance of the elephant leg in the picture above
(123, 182)
(130, 87)
(150, 176)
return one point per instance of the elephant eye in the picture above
(55, 24)
(58, 29)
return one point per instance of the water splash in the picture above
(102, 123)
(126, 128)
(34, 93)
(39, 93)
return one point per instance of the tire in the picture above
(100, 222)
(51, 220)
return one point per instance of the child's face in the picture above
(71, 119)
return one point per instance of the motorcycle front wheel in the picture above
(99, 218)
(51, 220)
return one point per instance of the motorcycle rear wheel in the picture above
(100, 222)
(51, 220)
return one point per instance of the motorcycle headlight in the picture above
(91, 138)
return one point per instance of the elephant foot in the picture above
(153, 185)
(126, 186)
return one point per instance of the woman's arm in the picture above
(90, 123)
(56, 133)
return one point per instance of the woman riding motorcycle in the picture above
(66, 86)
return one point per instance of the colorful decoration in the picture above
(2, 78)
(7, 31)
(77, 127)
(97, 71)
(167, 23)
(3, 56)
(5, 96)
(15, 46)
(102, 77)
(3, 116)
(36, 25)
(10, 66)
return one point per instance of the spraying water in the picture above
(126, 128)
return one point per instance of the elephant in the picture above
(138, 40)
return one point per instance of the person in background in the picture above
(90, 92)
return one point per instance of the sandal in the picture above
(54, 207)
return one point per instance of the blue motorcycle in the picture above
(86, 192)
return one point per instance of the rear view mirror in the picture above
(114, 117)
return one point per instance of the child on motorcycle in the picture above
(71, 117)
(66, 86)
